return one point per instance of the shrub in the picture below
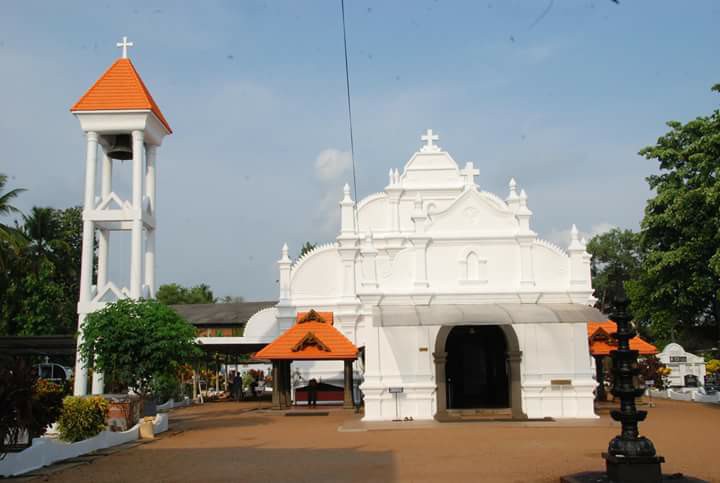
(134, 342)
(165, 387)
(27, 405)
(47, 401)
(82, 417)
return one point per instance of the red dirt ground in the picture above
(231, 442)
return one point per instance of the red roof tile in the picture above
(602, 342)
(310, 340)
(119, 88)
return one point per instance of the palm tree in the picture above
(10, 237)
(42, 229)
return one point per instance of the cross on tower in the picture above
(429, 137)
(124, 45)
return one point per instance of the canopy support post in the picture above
(348, 399)
(276, 385)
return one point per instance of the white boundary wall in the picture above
(46, 451)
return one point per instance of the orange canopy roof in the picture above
(600, 336)
(313, 337)
(120, 88)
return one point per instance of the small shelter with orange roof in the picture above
(602, 342)
(311, 338)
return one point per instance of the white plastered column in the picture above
(150, 192)
(86, 267)
(98, 381)
(136, 254)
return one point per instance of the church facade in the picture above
(455, 302)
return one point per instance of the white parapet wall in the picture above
(46, 451)
(701, 397)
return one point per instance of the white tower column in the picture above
(98, 380)
(150, 188)
(104, 237)
(136, 254)
(86, 264)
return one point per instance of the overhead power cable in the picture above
(347, 85)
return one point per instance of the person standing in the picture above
(312, 393)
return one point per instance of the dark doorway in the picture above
(476, 369)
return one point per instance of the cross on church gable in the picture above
(429, 146)
(470, 172)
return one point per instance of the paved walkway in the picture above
(236, 442)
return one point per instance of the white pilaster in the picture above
(369, 267)
(348, 224)
(580, 278)
(284, 265)
(421, 277)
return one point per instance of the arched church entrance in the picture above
(478, 367)
(476, 371)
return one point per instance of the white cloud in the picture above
(331, 163)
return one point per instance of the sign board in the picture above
(561, 382)
(678, 358)
(395, 390)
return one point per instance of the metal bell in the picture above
(120, 147)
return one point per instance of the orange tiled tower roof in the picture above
(602, 342)
(313, 337)
(120, 88)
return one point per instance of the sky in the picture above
(560, 94)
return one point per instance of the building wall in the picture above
(433, 238)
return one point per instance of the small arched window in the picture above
(473, 266)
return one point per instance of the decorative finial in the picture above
(391, 175)
(124, 45)
(575, 245)
(512, 185)
(285, 257)
(397, 176)
(429, 146)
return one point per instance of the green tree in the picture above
(9, 237)
(135, 343)
(176, 294)
(615, 256)
(679, 282)
(42, 277)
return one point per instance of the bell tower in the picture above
(121, 122)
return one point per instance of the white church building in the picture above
(453, 301)
(451, 296)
